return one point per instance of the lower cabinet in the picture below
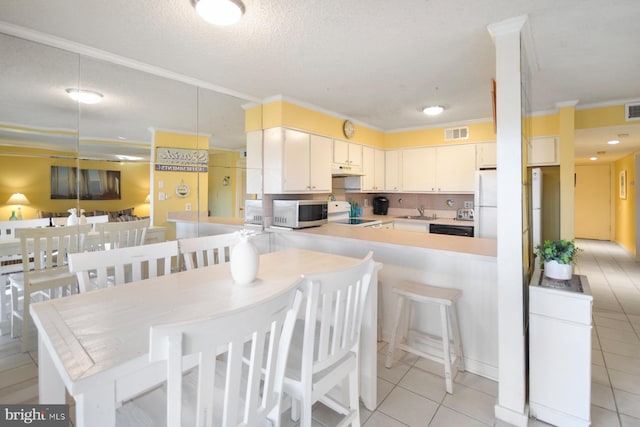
(419, 226)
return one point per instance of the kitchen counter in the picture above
(468, 245)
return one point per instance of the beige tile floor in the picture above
(412, 393)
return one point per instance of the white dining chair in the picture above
(324, 349)
(46, 251)
(100, 269)
(207, 250)
(225, 389)
(122, 234)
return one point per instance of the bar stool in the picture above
(445, 298)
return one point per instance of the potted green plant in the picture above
(557, 257)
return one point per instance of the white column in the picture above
(511, 334)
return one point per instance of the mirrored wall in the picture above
(101, 157)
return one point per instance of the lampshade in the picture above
(219, 12)
(18, 199)
(85, 96)
(147, 199)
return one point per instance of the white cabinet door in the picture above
(419, 169)
(254, 162)
(296, 161)
(419, 226)
(373, 169)
(486, 155)
(543, 151)
(456, 168)
(355, 155)
(347, 154)
(392, 170)
(320, 164)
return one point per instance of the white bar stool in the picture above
(445, 298)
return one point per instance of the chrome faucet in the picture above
(420, 210)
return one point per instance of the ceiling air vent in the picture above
(453, 134)
(632, 111)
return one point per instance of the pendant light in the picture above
(219, 12)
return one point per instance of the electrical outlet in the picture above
(160, 195)
(366, 203)
(187, 206)
(468, 204)
(160, 184)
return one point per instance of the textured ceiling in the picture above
(374, 61)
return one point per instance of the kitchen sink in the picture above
(423, 218)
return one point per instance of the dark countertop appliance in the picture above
(452, 230)
(380, 205)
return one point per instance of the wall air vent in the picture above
(454, 134)
(632, 111)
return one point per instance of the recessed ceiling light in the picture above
(593, 158)
(613, 142)
(219, 12)
(84, 96)
(433, 110)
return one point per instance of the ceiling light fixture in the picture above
(219, 12)
(85, 96)
(613, 142)
(593, 158)
(433, 110)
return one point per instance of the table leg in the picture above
(50, 385)
(96, 408)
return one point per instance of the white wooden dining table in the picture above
(95, 345)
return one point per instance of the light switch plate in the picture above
(187, 206)
(468, 204)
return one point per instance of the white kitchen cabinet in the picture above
(543, 151)
(456, 168)
(486, 155)
(419, 169)
(418, 226)
(296, 162)
(373, 169)
(254, 162)
(393, 170)
(347, 155)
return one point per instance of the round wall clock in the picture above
(348, 128)
(182, 190)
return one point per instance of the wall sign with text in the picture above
(181, 160)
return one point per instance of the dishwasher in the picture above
(452, 230)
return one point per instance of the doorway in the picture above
(593, 202)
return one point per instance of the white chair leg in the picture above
(15, 297)
(394, 331)
(26, 320)
(295, 409)
(354, 399)
(446, 356)
(457, 338)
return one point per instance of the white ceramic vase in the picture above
(554, 270)
(245, 261)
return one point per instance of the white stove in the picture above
(339, 213)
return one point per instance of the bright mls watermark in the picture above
(34, 415)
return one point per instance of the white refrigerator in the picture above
(486, 204)
(536, 206)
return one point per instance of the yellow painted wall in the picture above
(31, 175)
(222, 199)
(166, 182)
(600, 117)
(625, 209)
(253, 118)
(544, 125)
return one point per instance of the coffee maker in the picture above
(380, 205)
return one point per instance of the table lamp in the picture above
(17, 199)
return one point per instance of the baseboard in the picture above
(512, 417)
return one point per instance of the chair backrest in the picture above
(97, 219)
(336, 300)
(251, 391)
(100, 269)
(7, 227)
(122, 234)
(49, 247)
(207, 250)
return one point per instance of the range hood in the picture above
(339, 172)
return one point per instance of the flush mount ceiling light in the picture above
(613, 142)
(593, 158)
(219, 12)
(433, 110)
(84, 96)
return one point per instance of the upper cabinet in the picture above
(346, 155)
(373, 169)
(443, 169)
(254, 162)
(393, 170)
(543, 151)
(296, 162)
(486, 155)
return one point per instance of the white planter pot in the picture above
(556, 271)
(244, 262)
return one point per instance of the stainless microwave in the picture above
(299, 213)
